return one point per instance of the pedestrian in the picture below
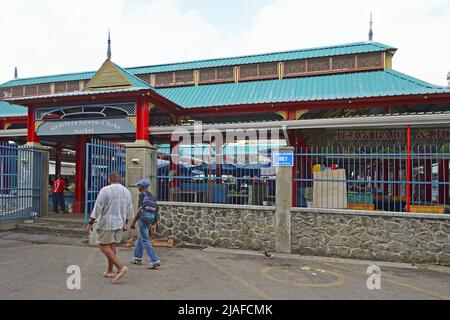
(111, 211)
(147, 218)
(58, 187)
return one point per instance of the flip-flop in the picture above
(119, 275)
(108, 275)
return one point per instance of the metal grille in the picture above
(102, 158)
(373, 178)
(21, 182)
(242, 177)
(369, 60)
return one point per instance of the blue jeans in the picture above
(58, 202)
(144, 242)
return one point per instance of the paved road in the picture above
(38, 271)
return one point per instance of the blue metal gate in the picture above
(21, 182)
(102, 158)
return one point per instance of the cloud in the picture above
(47, 36)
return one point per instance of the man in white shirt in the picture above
(111, 211)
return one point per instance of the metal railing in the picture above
(102, 158)
(226, 183)
(21, 182)
(397, 178)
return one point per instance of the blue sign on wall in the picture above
(284, 158)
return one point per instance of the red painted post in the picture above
(444, 177)
(80, 169)
(428, 178)
(142, 118)
(32, 136)
(58, 152)
(408, 170)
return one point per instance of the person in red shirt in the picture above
(58, 187)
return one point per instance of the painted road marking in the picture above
(387, 279)
(290, 271)
(235, 277)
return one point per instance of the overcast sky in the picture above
(44, 37)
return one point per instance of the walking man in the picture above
(146, 217)
(58, 187)
(111, 211)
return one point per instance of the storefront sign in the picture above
(283, 158)
(88, 126)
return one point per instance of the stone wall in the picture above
(399, 237)
(226, 226)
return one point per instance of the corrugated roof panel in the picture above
(328, 87)
(12, 110)
(351, 48)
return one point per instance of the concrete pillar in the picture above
(283, 209)
(38, 180)
(141, 163)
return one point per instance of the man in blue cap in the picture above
(146, 217)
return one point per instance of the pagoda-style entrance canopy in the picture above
(114, 105)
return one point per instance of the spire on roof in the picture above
(109, 46)
(371, 28)
(16, 75)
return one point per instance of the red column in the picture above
(142, 118)
(408, 170)
(58, 151)
(293, 141)
(444, 177)
(428, 178)
(32, 136)
(80, 172)
(396, 177)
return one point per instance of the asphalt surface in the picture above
(38, 271)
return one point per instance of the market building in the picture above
(365, 136)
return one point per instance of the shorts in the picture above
(109, 236)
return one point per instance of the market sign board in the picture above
(283, 158)
(87, 126)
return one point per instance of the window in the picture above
(268, 69)
(319, 64)
(144, 77)
(343, 62)
(31, 90)
(184, 77)
(369, 60)
(216, 74)
(225, 73)
(164, 79)
(17, 91)
(73, 86)
(44, 89)
(60, 87)
(294, 67)
(248, 71)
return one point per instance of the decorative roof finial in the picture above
(16, 75)
(371, 28)
(109, 45)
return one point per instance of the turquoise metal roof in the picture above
(11, 110)
(352, 48)
(314, 88)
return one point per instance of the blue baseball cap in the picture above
(143, 182)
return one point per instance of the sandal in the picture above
(109, 275)
(119, 275)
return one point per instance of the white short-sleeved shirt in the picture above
(112, 207)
